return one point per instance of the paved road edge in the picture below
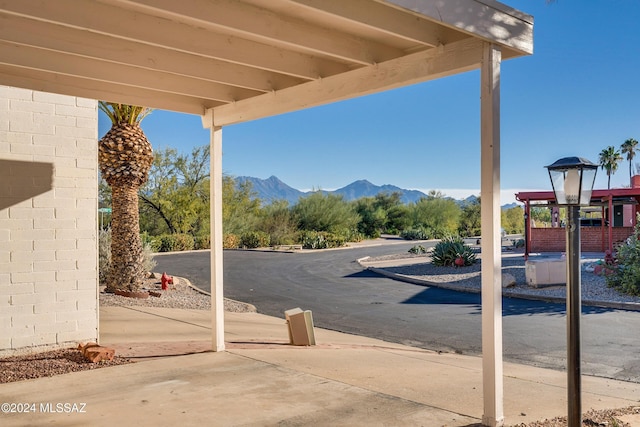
(506, 293)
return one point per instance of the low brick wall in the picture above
(554, 239)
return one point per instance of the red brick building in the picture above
(618, 207)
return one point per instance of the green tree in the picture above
(470, 224)
(540, 216)
(277, 221)
(609, 159)
(326, 212)
(124, 158)
(193, 195)
(240, 207)
(513, 220)
(375, 213)
(373, 218)
(176, 196)
(438, 213)
(629, 148)
(157, 195)
(387, 201)
(398, 219)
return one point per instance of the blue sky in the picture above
(577, 94)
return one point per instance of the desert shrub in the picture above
(398, 218)
(518, 243)
(321, 240)
(184, 242)
(282, 240)
(313, 240)
(438, 212)
(202, 241)
(420, 233)
(165, 243)
(418, 249)
(625, 273)
(147, 257)
(440, 232)
(175, 242)
(240, 206)
(104, 255)
(337, 240)
(349, 236)
(449, 249)
(255, 239)
(153, 242)
(230, 241)
(277, 221)
(372, 217)
(325, 213)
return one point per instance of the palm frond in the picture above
(629, 148)
(123, 113)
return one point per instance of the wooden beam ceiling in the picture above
(246, 58)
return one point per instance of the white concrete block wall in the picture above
(48, 220)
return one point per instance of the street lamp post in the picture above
(572, 180)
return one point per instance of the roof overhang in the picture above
(598, 197)
(247, 59)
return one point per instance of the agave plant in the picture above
(452, 251)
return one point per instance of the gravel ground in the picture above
(603, 418)
(179, 295)
(48, 364)
(62, 361)
(594, 287)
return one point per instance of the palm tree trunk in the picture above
(126, 271)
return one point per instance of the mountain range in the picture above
(272, 189)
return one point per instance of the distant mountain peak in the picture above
(272, 189)
(274, 179)
(362, 181)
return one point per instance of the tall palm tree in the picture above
(125, 157)
(609, 159)
(629, 148)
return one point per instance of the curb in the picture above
(251, 307)
(349, 245)
(630, 306)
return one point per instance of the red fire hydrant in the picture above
(166, 280)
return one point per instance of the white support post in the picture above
(492, 384)
(217, 288)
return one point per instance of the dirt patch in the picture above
(604, 418)
(48, 364)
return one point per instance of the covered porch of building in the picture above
(232, 62)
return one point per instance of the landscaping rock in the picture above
(95, 353)
(508, 280)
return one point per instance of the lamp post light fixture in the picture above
(572, 180)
